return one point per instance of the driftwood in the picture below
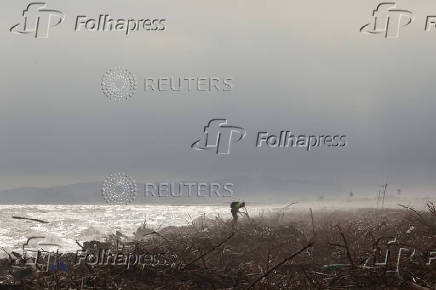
(262, 254)
(30, 219)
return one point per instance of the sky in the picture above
(301, 66)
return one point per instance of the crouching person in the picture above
(234, 209)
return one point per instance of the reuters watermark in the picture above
(188, 189)
(188, 84)
(120, 84)
(119, 188)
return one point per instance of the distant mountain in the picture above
(67, 194)
(254, 189)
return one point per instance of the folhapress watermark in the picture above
(38, 20)
(49, 261)
(108, 257)
(219, 136)
(119, 188)
(288, 139)
(105, 22)
(188, 189)
(390, 255)
(388, 21)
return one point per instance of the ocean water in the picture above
(68, 223)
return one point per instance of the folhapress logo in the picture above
(388, 20)
(218, 135)
(38, 20)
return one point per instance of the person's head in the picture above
(243, 204)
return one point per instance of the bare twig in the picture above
(313, 224)
(280, 264)
(210, 251)
(346, 246)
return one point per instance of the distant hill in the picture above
(66, 194)
(254, 189)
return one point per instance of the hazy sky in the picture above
(296, 65)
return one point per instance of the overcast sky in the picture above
(296, 65)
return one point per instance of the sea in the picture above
(67, 224)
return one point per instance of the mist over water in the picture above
(70, 223)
